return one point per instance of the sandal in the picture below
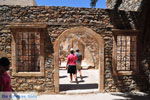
(71, 81)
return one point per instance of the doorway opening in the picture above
(91, 46)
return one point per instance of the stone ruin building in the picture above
(18, 2)
(116, 40)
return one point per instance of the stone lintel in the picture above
(125, 30)
(27, 25)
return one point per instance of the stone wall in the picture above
(128, 5)
(90, 52)
(58, 20)
(18, 2)
(143, 7)
(145, 38)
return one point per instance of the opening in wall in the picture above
(28, 49)
(125, 52)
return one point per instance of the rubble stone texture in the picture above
(128, 5)
(60, 19)
(18, 2)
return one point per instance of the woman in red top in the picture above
(71, 63)
(5, 81)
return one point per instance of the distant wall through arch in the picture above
(92, 41)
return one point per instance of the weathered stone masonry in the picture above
(58, 20)
(127, 5)
(142, 7)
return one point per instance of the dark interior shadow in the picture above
(65, 87)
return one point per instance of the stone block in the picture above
(31, 80)
(38, 88)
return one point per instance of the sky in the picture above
(71, 3)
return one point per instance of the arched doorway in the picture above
(85, 37)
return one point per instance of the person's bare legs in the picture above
(80, 73)
(75, 77)
(70, 77)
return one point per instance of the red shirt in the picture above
(5, 82)
(72, 58)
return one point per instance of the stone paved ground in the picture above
(97, 96)
(86, 90)
(90, 96)
(87, 85)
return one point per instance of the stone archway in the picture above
(92, 40)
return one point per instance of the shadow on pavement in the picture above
(134, 96)
(83, 77)
(65, 87)
(63, 76)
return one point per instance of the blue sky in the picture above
(71, 3)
